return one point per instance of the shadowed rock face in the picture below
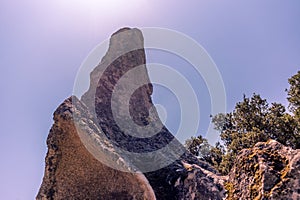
(269, 170)
(126, 54)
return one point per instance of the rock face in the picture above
(71, 170)
(90, 151)
(269, 170)
(164, 170)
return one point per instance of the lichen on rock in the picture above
(269, 170)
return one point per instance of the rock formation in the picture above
(269, 170)
(126, 55)
(90, 152)
(111, 144)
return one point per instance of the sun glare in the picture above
(104, 6)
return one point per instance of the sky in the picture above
(255, 45)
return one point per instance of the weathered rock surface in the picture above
(72, 172)
(269, 170)
(85, 141)
(125, 56)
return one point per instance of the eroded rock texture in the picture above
(72, 172)
(269, 170)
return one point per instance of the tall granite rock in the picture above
(98, 147)
(123, 68)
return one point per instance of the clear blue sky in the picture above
(255, 44)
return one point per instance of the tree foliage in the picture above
(294, 94)
(253, 120)
(198, 146)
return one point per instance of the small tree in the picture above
(200, 147)
(245, 126)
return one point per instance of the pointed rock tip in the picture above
(127, 36)
(127, 29)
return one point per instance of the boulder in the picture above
(269, 170)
